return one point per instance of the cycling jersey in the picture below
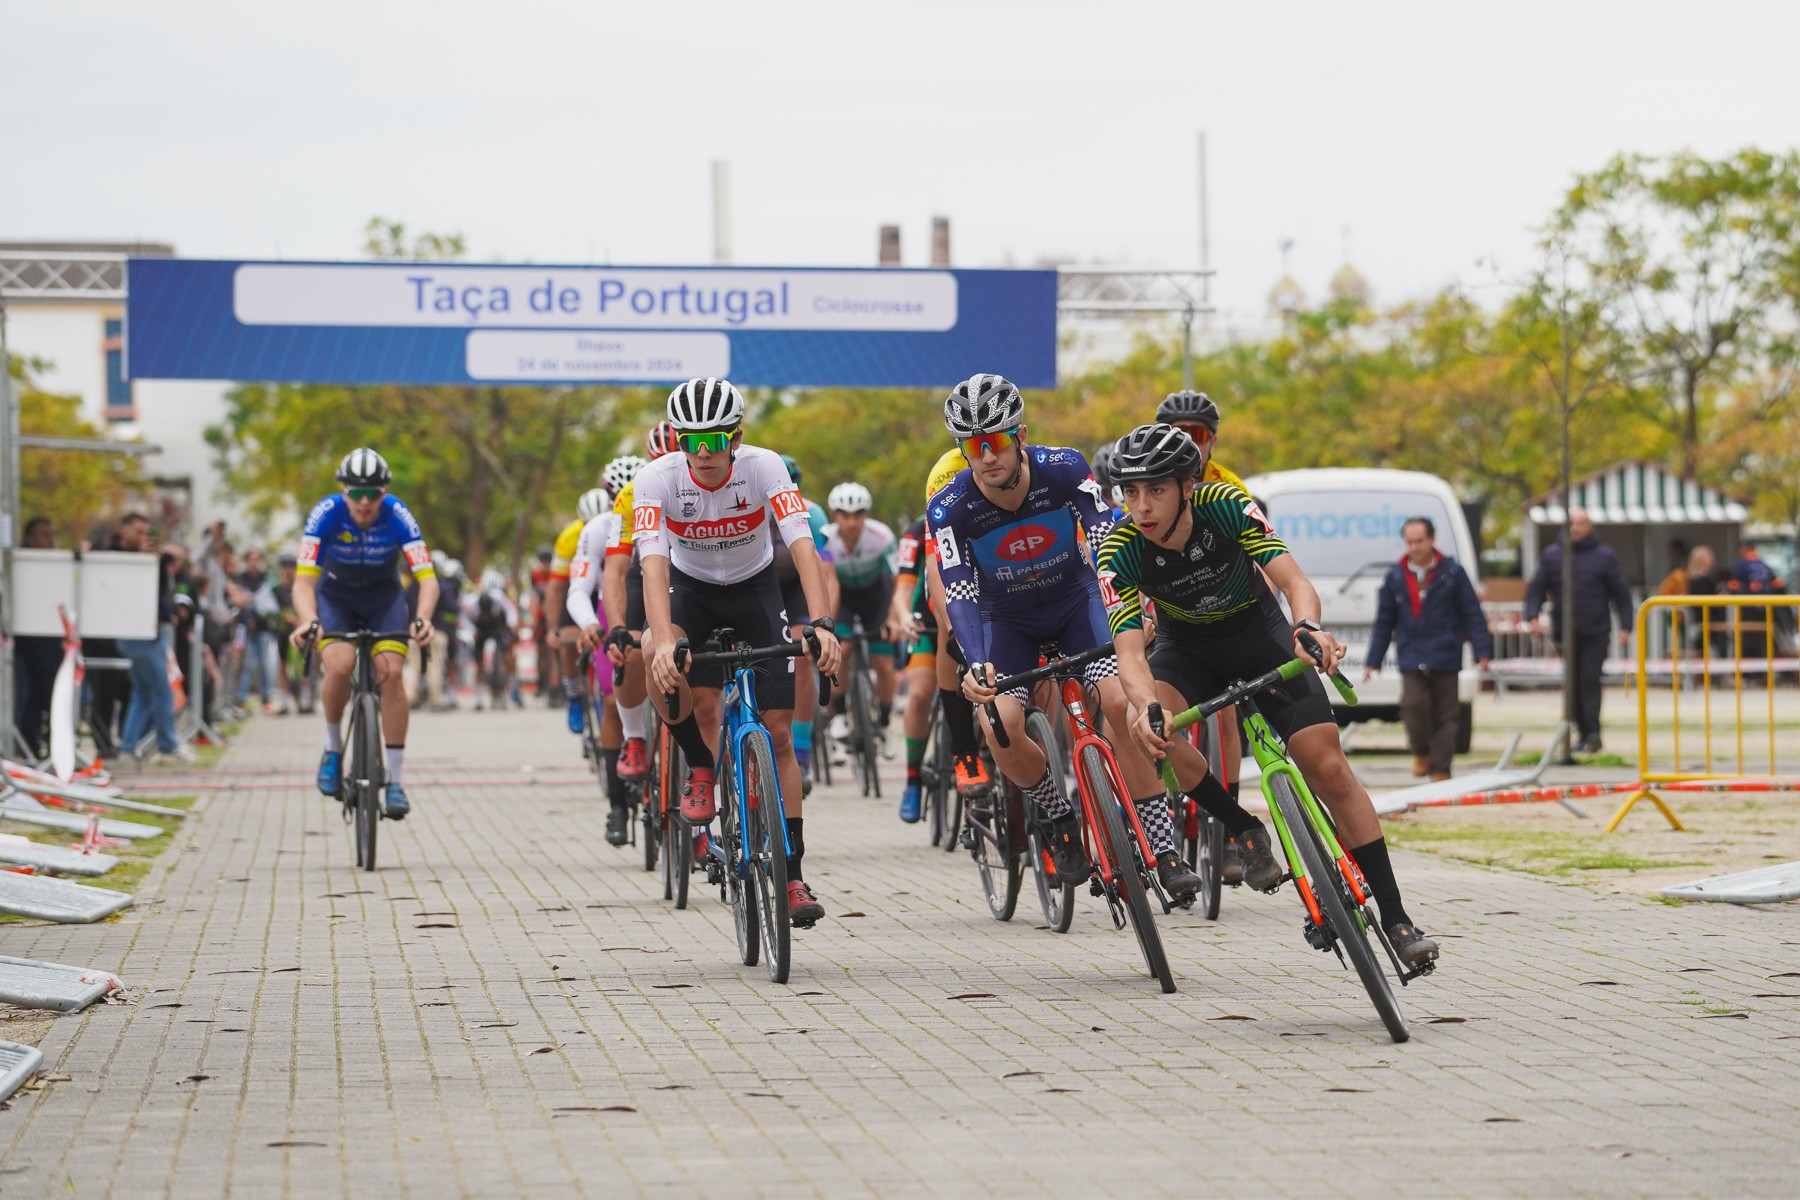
(865, 564)
(943, 471)
(1207, 580)
(351, 560)
(584, 571)
(563, 552)
(787, 572)
(1218, 474)
(622, 533)
(718, 535)
(990, 558)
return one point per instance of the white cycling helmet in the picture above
(849, 498)
(621, 471)
(706, 404)
(492, 580)
(593, 502)
(983, 404)
(453, 568)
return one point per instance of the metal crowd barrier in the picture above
(1708, 638)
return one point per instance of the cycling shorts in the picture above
(1017, 641)
(381, 611)
(634, 602)
(1242, 646)
(871, 604)
(793, 598)
(924, 651)
(752, 609)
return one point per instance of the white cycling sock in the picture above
(334, 737)
(631, 720)
(396, 758)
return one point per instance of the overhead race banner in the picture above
(452, 323)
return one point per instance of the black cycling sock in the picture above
(1153, 815)
(796, 847)
(1221, 804)
(688, 737)
(1373, 860)
(571, 685)
(887, 714)
(615, 787)
(959, 715)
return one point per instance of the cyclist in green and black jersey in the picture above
(1193, 549)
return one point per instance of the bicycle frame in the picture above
(739, 722)
(1075, 702)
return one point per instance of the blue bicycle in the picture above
(749, 860)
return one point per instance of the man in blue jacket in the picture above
(1601, 594)
(1428, 608)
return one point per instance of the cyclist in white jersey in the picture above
(702, 522)
(860, 548)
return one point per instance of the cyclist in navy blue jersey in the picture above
(1019, 583)
(348, 578)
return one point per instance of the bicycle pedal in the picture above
(1316, 937)
(715, 873)
(967, 839)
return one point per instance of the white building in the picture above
(65, 307)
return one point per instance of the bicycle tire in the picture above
(1344, 916)
(997, 863)
(735, 890)
(821, 746)
(938, 777)
(366, 729)
(1123, 849)
(677, 834)
(953, 819)
(1208, 849)
(649, 795)
(861, 710)
(769, 843)
(1058, 902)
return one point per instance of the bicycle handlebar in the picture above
(1164, 725)
(686, 656)
(361, 637)
(1056, 666)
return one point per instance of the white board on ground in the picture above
(23, 852)
(30, 983)
(1765, 885)
(57, 899)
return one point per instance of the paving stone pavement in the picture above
(508, 1008)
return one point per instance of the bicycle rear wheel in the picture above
(737, 891)
(996, 860)
(1349, 921)
(1057, 900)
(860, 708)
(650, 794)
(678, 835)
(366, 771)
(821, 746)
(1123, 850)
(938, 775)
(768, 843)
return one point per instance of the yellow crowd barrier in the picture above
(1718, 627)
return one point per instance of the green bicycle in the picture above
(1340, 913)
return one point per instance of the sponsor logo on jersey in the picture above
(1254, 511)
(1025, 543)
(740, 504)
(689, 506)
(345, 536)
(645, 518)
(787, 504)
(712, 531)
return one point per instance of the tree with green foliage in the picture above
(73, 488)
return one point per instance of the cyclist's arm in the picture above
(583, 574)
(612, 587)
(428, 598)
(957, 575)
(1302, 597)
(306, 602)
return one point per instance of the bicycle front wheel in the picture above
(366, 771)
(861, 708)
(1349, 921)
(1206, 850)
(938, 775)
(1057, 900)
(738, 892)
(678, 835)
(1122, 848)
(768, 845)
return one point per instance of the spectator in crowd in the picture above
(36, 660)
(1751, 576)
(1428, 608)
(1600, 592)
(152, 703)
(109, 691)
(441, 675)
(296, 689)
(257, 617)
(202, 693)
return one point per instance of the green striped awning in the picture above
(1639, 493)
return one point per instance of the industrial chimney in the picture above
(890, 245)
(940, 241)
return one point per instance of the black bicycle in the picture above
(860, 709)
(365, 766)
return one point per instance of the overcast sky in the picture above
(579, 132)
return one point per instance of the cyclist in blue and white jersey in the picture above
(348, 578)
(859, 548)
(1018, 583)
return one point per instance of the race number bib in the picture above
(948, 554)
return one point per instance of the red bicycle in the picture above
(1120, 874)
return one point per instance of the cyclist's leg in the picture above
(959, 717)
(915, 722)
(806, 685)
(568, 658)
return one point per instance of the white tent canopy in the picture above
(1639, 508)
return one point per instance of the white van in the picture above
(1343, 527)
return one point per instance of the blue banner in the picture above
(455, 323)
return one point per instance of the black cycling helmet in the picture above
(793, 468)
(546, 553)
(1152, 452)
(362, 467)
(1188, 408)
(1102, 464)
(983, 404)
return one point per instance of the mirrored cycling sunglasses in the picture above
(1200, 433)
(375, 493)
(715, 440)
(988, 443)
